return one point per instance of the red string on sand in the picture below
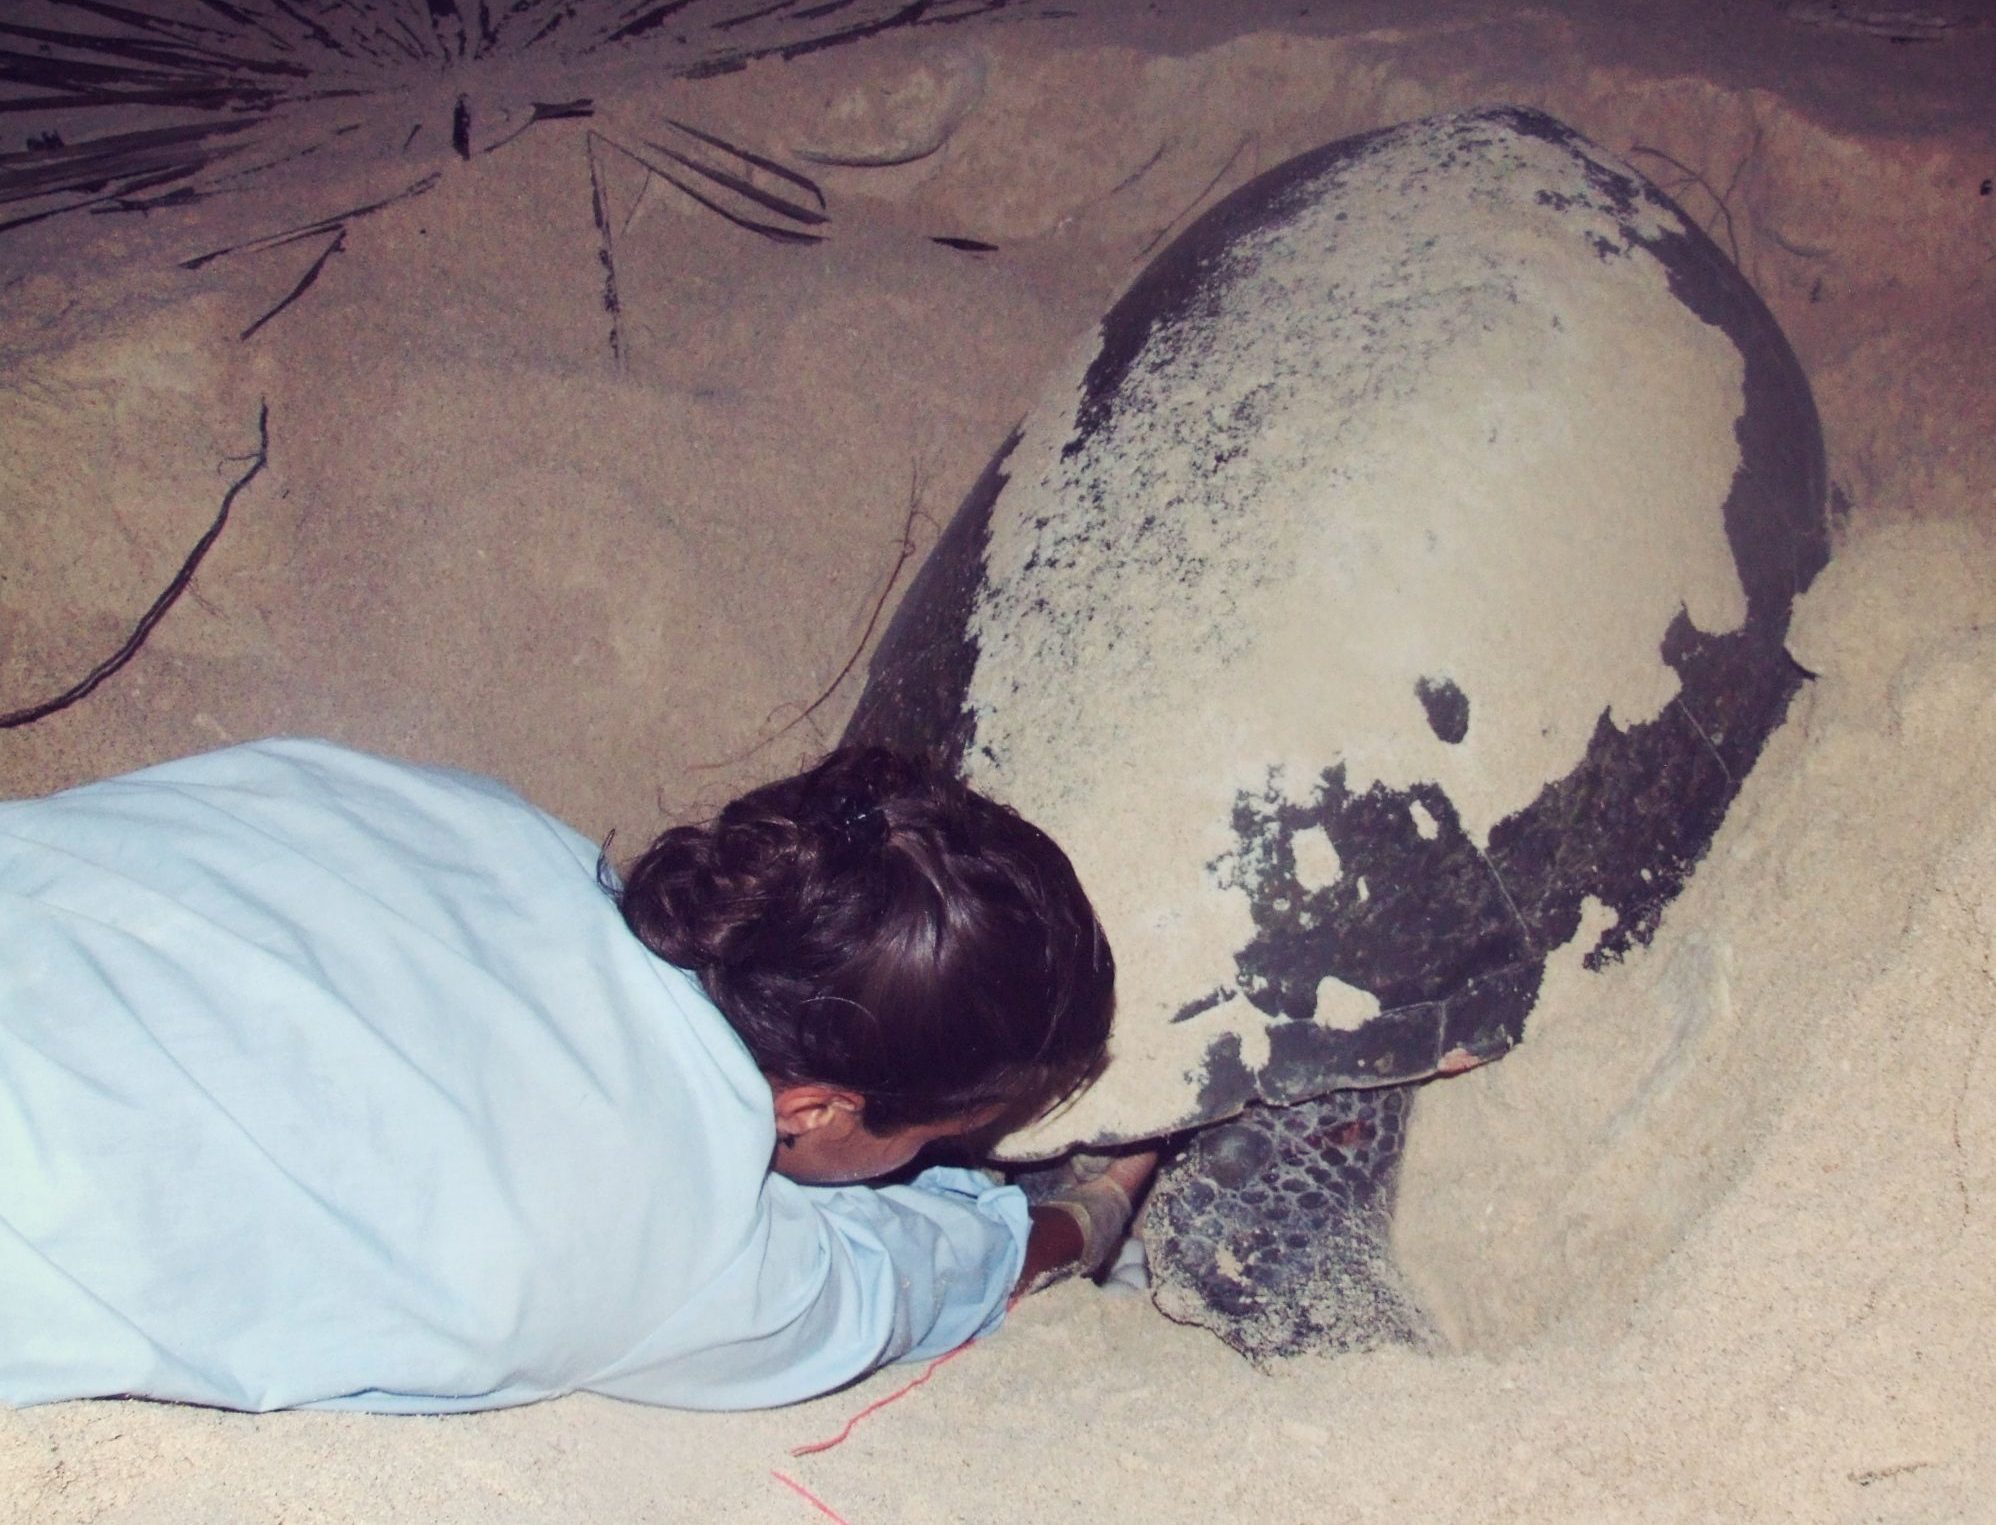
(880, 1403)
(809, 1497)
(851, 1424)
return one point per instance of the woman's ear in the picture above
(809, 1108)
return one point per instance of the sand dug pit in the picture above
(1715, 1243)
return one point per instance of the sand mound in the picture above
(1787, 1007)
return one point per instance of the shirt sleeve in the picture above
(836, 1282)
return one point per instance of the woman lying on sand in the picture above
(333, 1081)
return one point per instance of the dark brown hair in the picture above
(875, 924)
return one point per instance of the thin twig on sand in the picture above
(606, 255)
(104, 669)
(1722, 200)
(903, 554)
(1197, 201)
(337, 246)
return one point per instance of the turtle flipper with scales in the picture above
(1272, 1227)
(1392, 591)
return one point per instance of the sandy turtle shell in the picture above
(1392, 591)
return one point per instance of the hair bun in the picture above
(876, 924)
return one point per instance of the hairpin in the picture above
(862, 824)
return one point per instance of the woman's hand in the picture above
(1083, 1223)
(1132, 1172)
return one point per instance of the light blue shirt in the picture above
(332, 1081)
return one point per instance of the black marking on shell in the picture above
(1415, 914)
(1446, 706)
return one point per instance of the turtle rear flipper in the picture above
(1271, 1229)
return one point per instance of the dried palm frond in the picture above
(125, 110)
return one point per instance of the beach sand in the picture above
(1715, 1243)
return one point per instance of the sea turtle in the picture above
(1392, 591)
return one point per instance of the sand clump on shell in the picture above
(1719, 1252)
(1145, 660)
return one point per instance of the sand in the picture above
(1716, 1247)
